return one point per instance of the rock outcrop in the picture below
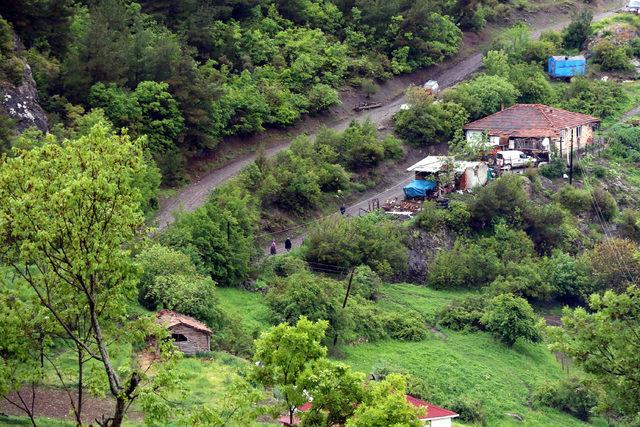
(20, 102)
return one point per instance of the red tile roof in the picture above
(171, 318)
(432, 412)
(530, 120)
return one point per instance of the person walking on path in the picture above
(273, 249)
(287, 244)
(343, 209)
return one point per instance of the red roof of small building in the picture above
(432, 412)
(530, 121)
(170, 318)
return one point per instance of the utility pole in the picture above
(344, 303)
(571, 162)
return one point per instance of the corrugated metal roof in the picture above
(433, 164)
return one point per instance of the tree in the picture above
(385, 404)
(282, 355)
(509, 317)
(496, 63)
(603, 340)
(335, 390)
(611, 264)
(483, 95)
(578, 30)
(611, 57)
(70, 215)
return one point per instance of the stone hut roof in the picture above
(171, 318)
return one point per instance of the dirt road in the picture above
(447, 74)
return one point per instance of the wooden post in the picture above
(344, 303)
(571, 162)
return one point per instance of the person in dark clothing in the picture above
(287, 244)
(273, 247)
(343, 209)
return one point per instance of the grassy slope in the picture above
(453, 364)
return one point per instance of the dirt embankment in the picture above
(237, 152)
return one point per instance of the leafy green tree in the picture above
(483, 95)
(120, 107)
(611, 57)
(428, 122)
(578, 30)
(283, 354)
(385, 404)
(335, 390)
(161, 119)
(595, 97)
(603, 340)
(496, 63)
(611, 264)
(509, 318)
(514, 42)
(70, 216)
(561, 272)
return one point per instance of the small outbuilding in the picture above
(189, 335)
(467, 175)
(563, 67)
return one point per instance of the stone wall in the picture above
(197, 341)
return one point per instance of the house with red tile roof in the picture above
(189, 335)
(537, 130)
(433, 416)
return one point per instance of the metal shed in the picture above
(567, 66)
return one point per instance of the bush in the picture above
(545, 226)
(611, 57)
(392, 148)
(611, 264)
(466, 265)
(405, 327)
(464, 314)
(556, 168)
(470, 410)
(570, 395)
(502, 198)
(595, 97)
(523, 279)
(560, 271)
(604, 204)
(191, 295)
(578, 30)
(366, 283)
(430, 217)
(158, 260)
(575, 199)
(510, 318)
(630, 224)
(369, 323)
(458, 216)
(483, 95)
(372, 240)
(428, 122)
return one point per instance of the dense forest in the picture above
(188, 73)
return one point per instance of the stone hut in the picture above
(188, 334)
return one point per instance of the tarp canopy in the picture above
(419, 188)
(634, 4)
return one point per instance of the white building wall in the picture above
(446, 422)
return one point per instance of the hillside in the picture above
(305, 284)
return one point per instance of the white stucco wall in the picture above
(439, 423)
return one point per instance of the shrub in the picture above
(611, 57)
(283, 266)
(158, 260)
(405, 326)
(570, 395)
(366, 283)
(510, 318)
(372, 240)
(630, 224)
(465, 265)
(191, 295)
(523, 279)
(428, 122)
(502, 198)
(458, 216)
(578, 30)
(463, 314)
(369, 323)
(560, 271)
(545, 226)
(595, 97)
(575, 199)
(604, 204)
(483, 95)
(392, 148)
(556, 168)
(430, 216)
(470, 410)
(612, 264)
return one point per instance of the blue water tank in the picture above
(567, 66)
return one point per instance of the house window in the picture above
(178, 337)
(579, 132)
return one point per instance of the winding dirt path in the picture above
(447, 74)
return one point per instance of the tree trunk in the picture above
(118, 416)
(80, 385)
